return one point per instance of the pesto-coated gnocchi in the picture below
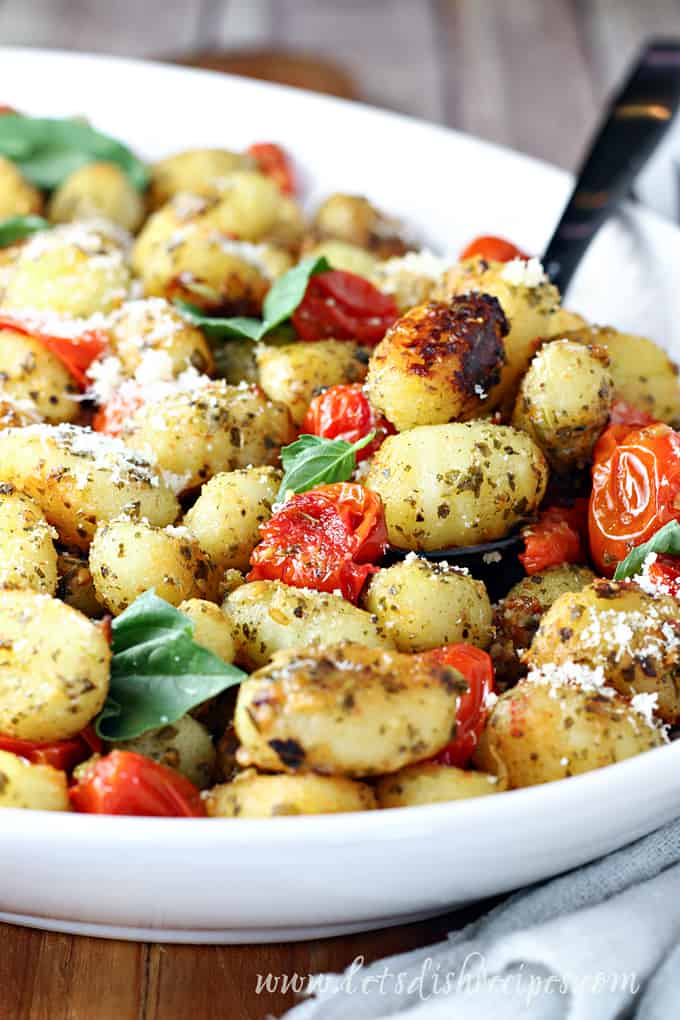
(642, 373)
(212, 629)
(251, 795)
(294, 373)
(268, 617)
(197, 433)
(456, 485)
(127, 557)
(564, 401)
(632, 637)
(81, 479)
(54, 667)
(528, 300)
(226, 517)
(37, 787)
(184, 745)
(345, 709)
(139, 327)
(194, 172)
(550, 728)
(28, 558)
(430, 783)
(518, 614)
(31, 373)
(17, 196)
(74, 271)
(422, 605)
(439, 362)
(97, 189)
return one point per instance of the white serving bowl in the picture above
(227, 881)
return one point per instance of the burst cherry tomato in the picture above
(114, 415)
(636, 490)
(556, 538)
(477, 669)
(344, 412)
(493, 249)
(126, 783)
(327, 539)
(75, 353)
(343, 306)
(272, 161)
(60, 754)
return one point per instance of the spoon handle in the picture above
(636, 120)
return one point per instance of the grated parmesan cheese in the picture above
(523, 273)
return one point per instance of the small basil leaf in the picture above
(240, 327)
(158, 672)
(287, 292)
(16, 228)
(313, 460)
(665, 541)
(281, 301)
(47, 150)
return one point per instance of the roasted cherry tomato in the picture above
(273, 162)
(664, 574)
(76, 353)
(6, 109)
(636, 490)
(476, 668)
(494, 249)
(60, 754)
(325, 539)
(344, 412)
(112, 417)
(343, 306)
(556, 538)
(126, 783)
(623, 413)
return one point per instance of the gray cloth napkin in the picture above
(598, 943)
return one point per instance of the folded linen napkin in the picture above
(601, 942)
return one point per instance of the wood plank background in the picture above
(527, 73)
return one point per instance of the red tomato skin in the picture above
(344, 412)
(636, 490)
(75, 354)
(477, 669)
(492, 248)
(327, 539)
(274, 162)
(126, 783)
(556, 538)
(60, 754)
(343, 306)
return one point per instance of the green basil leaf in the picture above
(281, 301)
(287, 292)
(665, 541)
(16, 228)
(158, 671)
(47, 150)
(240, 327)
(313, 460)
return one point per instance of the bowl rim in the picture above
(384, 824)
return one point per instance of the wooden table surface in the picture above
(526, 73)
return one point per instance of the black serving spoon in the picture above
(636, 120)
